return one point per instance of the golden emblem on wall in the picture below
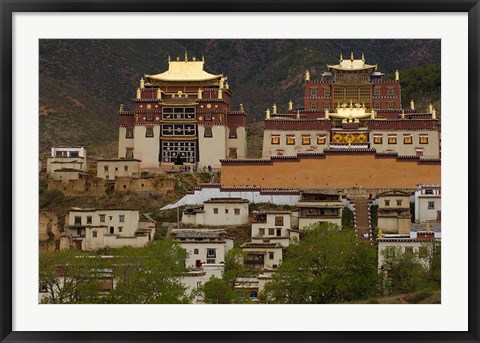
(337, 138)
(220, 117)
(349, 138)
(209, 105)
(149, 106)
(362, 137)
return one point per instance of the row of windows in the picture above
(210, 252)
(78, 219)
(422, 251)
(271, 232)
(314, 91)
(306, 140)
(377, 91)
(235, 210)
(105, 168)
(407, 139)
(207, 134)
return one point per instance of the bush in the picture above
(52, 197)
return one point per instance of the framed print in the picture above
(291, 170)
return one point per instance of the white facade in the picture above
(92, 229)
(67, 158)
(110, 169)
(203, 246)
(273, 227)
(263, 255)
(428, 203)
(195, 279)
(218, 211)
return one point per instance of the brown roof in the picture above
(226, 200)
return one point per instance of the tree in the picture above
(222, 291)
(150, 275)
(328, 265)
(70, 276)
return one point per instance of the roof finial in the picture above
(397, 75)
(298, 114)
(186, 56)
(430, 108)
(290, 105)
(203, 58)
(274, 108)
(307, 76)
(363, 57)
(168, 58)
(351, 56)
(341, 58)
(267, 114)
(412, 104)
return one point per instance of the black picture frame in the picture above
(9, 7)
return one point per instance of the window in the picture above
(399, 202)
(280, 152)
(78, 221)
(125, 168)
(305, 140)
(226, 211)
(215, 211)
(232, 153)
(237, 211)
(326, 91)
(321, 139)
(377, 139)
(120, 228)
(195, 251)
(129, 132)
(271, 232)
(112, 230)
(387, 202)
(94, 234)
(275, 140)
(232, 133)
(208, 116)
(431, 205)
(149, 132)
(149, 116)
(290, 140)
(390, 91)
(279, 232)
(240, 295)
(390, 105)
(376, 105)
(208, 132)
(423, 139)
(407, 139)
(376, 91)
(89, 219)
(252, 294)
(392, 139)
(116, 168)
(199, 284)
(211, 252)
(129, 153)
(261, 232)
(210, 261)
(105, 169)
(121, 218)
(419, 151)
(271, 255)
(422, 252)
(102, 218)
(409, 250)
(326, 105)
(429, 192)
(278, 221)
(313, 106)
(313, 91)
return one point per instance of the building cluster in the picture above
(350, 144)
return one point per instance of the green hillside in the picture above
(83, 82)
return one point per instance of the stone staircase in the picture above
(362, 217)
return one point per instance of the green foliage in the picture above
(347, 219)
(327, 266)
(374, 220)
(51, 198)
(421, 82)
(406, 272)
(70, 276)
(150, 275)
(222, 291)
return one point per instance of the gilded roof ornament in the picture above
(290, 105)
(412, 104)
(186, 56)
(351, 56)
(363, 57)
(307, 76)
(274, 108)
(397, 75)
(241, 108)
(267, 114)
(341, 58)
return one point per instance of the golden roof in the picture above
(352, 64)
(184, 71)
